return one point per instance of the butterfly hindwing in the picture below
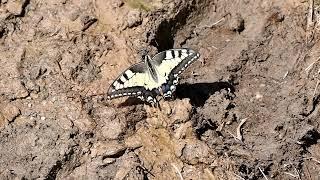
(134, 81)
(130, 82)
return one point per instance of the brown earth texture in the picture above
(247, 109)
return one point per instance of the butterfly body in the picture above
(153, 76)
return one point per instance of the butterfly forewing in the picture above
(173, 62)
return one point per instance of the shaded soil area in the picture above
(247, 109)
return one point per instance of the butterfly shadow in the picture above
(198, 93)
(131, 101)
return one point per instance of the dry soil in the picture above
(247, 109)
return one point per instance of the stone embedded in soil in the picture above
(107, 161)
(2, 120)
(9, 112)
(217, 110)
(87, 21)
(315, 151)
(107, 149)
(74, 14)
(113, 129)
(307, 135)
(236, 23)
(15, 7)
(117, 3)
(172, 112)
(184, 130)
(134, 18)
(128, 168)
(181, 111)
(192, 172)
(179, 148)
(84, 123)
(14, 89)
(32, 86)
(65, 123)
(133, 142)
(196, 151)
(113, 124)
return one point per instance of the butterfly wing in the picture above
(131, 82)
(171, 63)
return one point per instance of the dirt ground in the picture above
(247, 109)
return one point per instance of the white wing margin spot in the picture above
(168, 55)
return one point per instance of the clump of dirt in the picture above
(248, 109)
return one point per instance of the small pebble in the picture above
(134, 18)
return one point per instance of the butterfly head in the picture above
(146, 59)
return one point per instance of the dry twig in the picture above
(211, 176)
(263, 174)
(238, 176)
(297, 172)
(295, 176)
(285, 75)
(177, 170)
(310, 23)
(239, 134)
(313, 159)
(315, 89)
(310, 66)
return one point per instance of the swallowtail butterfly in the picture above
(154, 76)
